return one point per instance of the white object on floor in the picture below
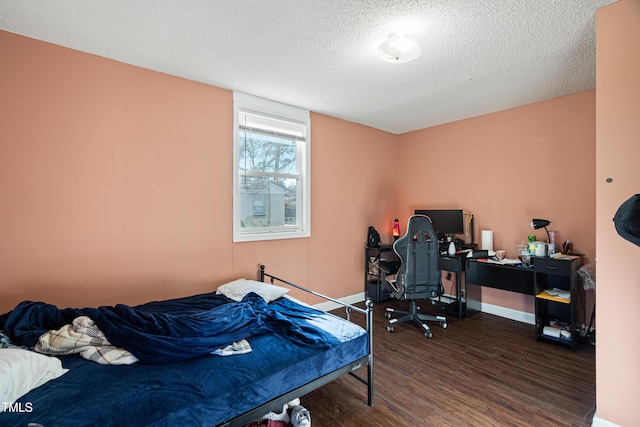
(294, 402)
(300, 417)
(284, 415)
(278, 416)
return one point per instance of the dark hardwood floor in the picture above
(481, 371)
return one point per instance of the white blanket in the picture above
(83, 337)
(238, 347)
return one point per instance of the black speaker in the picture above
(479, 254)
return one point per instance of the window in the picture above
(271, 189)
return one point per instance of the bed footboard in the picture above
(353, 368)
(367, 312)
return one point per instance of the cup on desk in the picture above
(501, 254)
(522, 249)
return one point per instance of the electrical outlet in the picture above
(462, 293)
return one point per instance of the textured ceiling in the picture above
(478, 56)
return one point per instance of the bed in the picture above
(176, 380)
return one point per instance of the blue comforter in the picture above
(172, 330)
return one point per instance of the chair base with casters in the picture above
(415, 315)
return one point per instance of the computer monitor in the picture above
(445, 221)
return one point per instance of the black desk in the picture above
(497, 276)
(500, 276)
(482, 273)
(545, 274)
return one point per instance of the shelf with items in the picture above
(558, 331)
(556, 288)
(557, 295)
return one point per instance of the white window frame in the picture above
(243, 103)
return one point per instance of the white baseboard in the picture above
(497, 310)
(599, 422)
(509, 313)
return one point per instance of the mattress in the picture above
(204, 391)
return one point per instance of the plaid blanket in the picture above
(84, 337)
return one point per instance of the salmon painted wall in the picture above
(109, 179)
(351, 191)
(535, 161)
(115, 186)
(124, 185)
(617, 153)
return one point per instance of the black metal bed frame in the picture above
(351, 368)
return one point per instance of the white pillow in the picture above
(23, 370)
(237, 289)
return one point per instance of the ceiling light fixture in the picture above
(398, 48)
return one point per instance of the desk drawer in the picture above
(557, 267)
(452, 264)
(498, 276)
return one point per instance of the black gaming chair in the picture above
(419, 275)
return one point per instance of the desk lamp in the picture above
(541, 223)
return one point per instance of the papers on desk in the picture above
(559, 255)
(505, 261)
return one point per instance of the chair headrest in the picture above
(419, 225)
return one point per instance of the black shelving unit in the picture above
(380, 264)
(556, 285)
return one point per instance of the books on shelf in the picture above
(558, 293)
(551, 332)
(558, 330)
